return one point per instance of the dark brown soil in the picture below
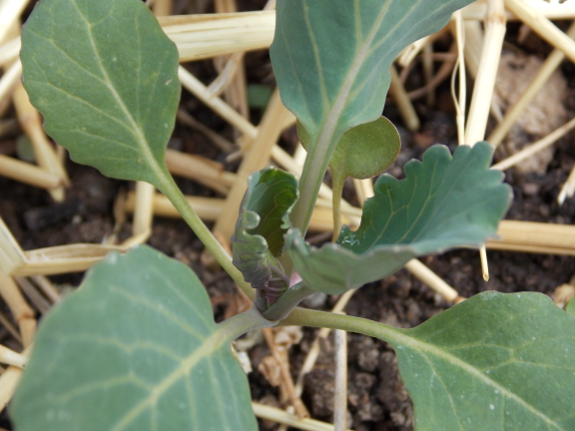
(377, 399)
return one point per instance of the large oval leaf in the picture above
(498, 362)
(104, 75)
(332, 57)
(136, 348)
(443, 202)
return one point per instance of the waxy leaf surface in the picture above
(443, 202)
(498, 362)
(135, 348)
(104, 76)
(262, 223)
(570, 307)
(332, 57)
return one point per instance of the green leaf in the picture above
(497, 362)
(443, 202)
(332, 58)
(570, 307)
(261, 225)
(135, 348)
(104, 76)
(364, 151)
(332, 62)
(493, 362)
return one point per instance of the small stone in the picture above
(530, 189)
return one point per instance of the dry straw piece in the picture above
(535, 147)
(28, 174)
(31, 291)
(9, 380)
(514, 112)
(340, 396)
(286, 381)
(408, 54)
(485, 82)
(206, 36)
(10, 357)
(533, 237)
(9, 51)
(283, 417)
(209, 209)
(46, 261)
(163, 7)
(19, 308)
(542, 26)
(568, 189)
(10, 11)
(200, 169)
(218, 140)
(495, 28)
(232, 74)
(9, 80)
(550, 10)
(143, 209)
(31, 123)
(406, 109)
(198, 37)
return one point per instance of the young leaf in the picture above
(443, 202)
(261, 225)
(493, 362)
(104, 76)
(365, 151)
(136, 348)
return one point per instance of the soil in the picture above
(377, 398)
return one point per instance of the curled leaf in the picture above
(259, 235)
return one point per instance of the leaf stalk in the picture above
(312, 175)
(287, 302)
(324, 319)
(174, 194)
(242, 323)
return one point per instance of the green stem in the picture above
(174, 194)
(338, 182)
(286, 303)
(323, 319)
(242, 323)
(311, 178)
